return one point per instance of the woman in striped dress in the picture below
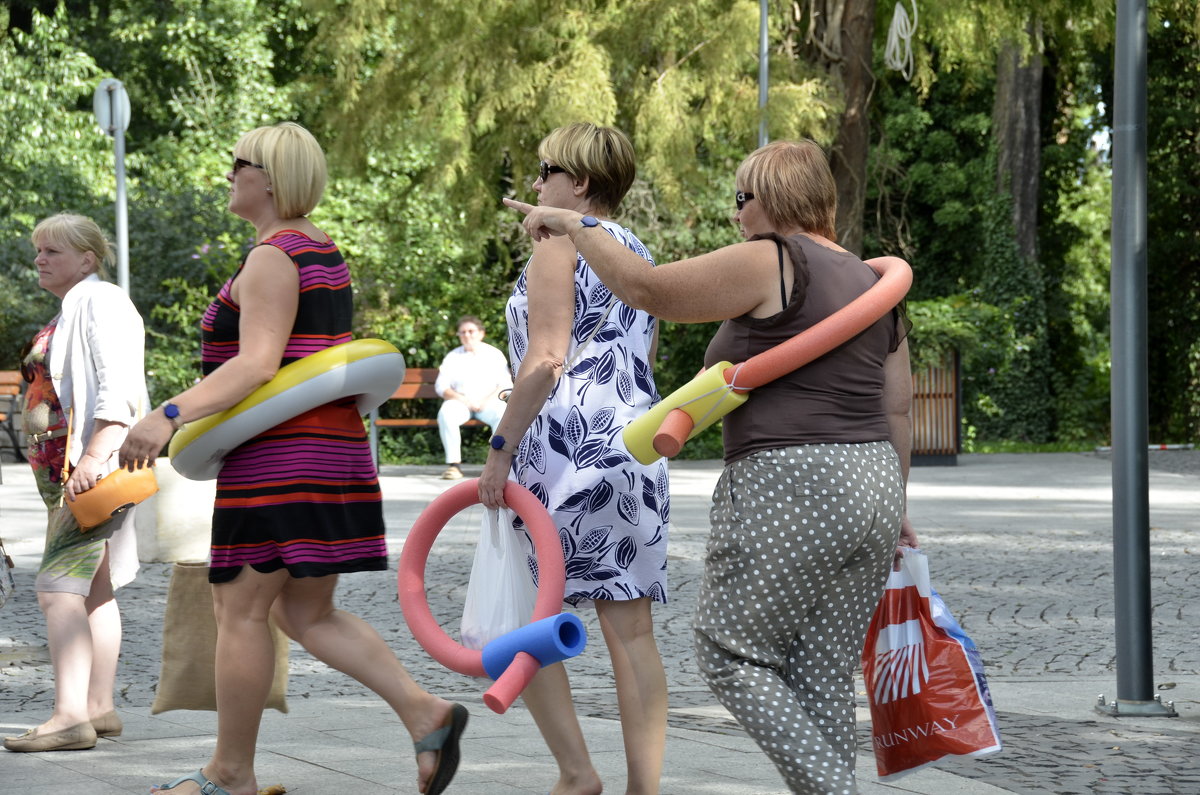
(300, 503)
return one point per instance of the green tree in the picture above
(50, 149)
(1173, 210)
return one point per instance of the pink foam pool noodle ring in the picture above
(415, 605)
(895, 278)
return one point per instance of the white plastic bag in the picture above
(501, 593)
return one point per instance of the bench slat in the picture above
(419, 422)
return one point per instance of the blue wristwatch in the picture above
(172, 414)
(589, 220)
(500, 443)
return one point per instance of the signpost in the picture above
(111, 105)
(762, 73)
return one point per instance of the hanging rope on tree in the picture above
(900, 36)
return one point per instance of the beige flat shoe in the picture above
(77, 738)
(108, 725)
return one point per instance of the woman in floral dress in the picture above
(582, 362)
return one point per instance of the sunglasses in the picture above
(545, 170)
(239, 164)
(741, 197)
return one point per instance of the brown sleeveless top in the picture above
(836, 398)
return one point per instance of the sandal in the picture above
(445, 742)
(206, 787)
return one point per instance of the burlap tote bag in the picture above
(188, 678)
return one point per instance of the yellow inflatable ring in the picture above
(371, 369)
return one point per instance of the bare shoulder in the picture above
(267, 256)
(555, 247)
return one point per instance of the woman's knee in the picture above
(301, 605)
(248, 597)
(630, 616)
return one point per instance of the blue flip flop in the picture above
(445, 742)
(206, 787)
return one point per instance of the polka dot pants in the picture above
(801, 545)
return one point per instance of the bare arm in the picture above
(551, 284)
(897, 400)
(734, 281)
(268, 292)
(106, 438)
(897, 403)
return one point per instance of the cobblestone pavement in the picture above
(1020, 549)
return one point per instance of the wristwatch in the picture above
(172, 413)
(589, 221)
(500, 443)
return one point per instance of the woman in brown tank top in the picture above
(809, 510)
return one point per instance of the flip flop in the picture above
(206, 787)
(445, 742)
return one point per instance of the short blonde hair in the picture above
(602, 154)
(792, 182)
(79, 233)
(294, 162)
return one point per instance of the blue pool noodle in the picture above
(549, 640)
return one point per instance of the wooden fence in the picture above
(936, 414)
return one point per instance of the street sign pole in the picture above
(122, 214)
(762, 73)
(111, 106)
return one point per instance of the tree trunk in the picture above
(1016, 119)
(848, 158)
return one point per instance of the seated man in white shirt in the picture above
(470, 380)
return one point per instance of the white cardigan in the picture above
(98, 361)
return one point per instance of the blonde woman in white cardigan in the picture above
(87, 386)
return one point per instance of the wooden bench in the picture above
(11, 386)
(418, 384)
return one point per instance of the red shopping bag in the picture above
(925, 684)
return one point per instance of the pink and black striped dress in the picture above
(305, 494)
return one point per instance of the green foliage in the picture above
(508, 72)
(1173, 210)
(1074, 247)
(954, 324)
(1041, 369)
(433, 111)
(61, 154)
(1005, 446)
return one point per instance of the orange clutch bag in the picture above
(113, 494)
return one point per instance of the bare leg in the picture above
(343, 641)
(71, 656)
(641, 689)
(104, 621)
(548, 698)
(245, 666)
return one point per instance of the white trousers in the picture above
(453, 414)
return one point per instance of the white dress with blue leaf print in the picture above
(610, 510)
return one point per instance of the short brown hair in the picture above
(78, 232)
(792, 182)
(602, 154)
(294, 162)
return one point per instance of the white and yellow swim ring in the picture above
(369, 369)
